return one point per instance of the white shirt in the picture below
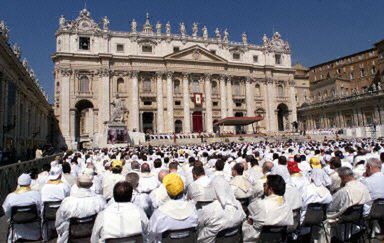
(375, 185)
(54, 192)
(109, 181)
(148, 182)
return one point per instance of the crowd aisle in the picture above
(207, 190)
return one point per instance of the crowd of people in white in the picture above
(147, 191)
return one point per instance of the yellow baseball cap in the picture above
(173, 184)
(117, 163)
(315, 163)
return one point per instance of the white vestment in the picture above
(148, 182)
(241, 187)
(109, 181)
(81, 204)
(201, 190)
(25, 231)
(119, 220)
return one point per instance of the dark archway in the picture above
(197, 121)
(282, 117)
(216, 128)
(178, 126)
(239, 129)
(83, 110)
(147, 118)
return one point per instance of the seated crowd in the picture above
(208, 190)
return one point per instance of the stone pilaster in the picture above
(249, 101)
(208, 104)
(160, 103)
(292, 96)
(65, 106)
(223, 98)
(229, 101)
(264, 90)
(170, 122)
(104, 113)
(135, 101)
(186, 101)
(270, 95)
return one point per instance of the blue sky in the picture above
(317, 30)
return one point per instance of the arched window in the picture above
(84, 84)
(176, 87)
(196, 86)
(215, 89)
(147, 85)
(280, 90)
(257, 90)
(178, 126)
(120, 85)
(236, 88)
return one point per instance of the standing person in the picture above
(38, 153)
(23, 196)
(110, 179)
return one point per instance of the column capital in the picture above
(104, 72)
(159, 74)
(207, 76)
(185, 75)
(249, 80)
(169, 74)
(134, 73)
(65, 72)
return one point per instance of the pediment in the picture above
(195, 53)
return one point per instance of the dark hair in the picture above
(145, 168)
(198, 171)
(254, 162)
(335, 162)
(33, 173)
(66, 168)
(277, 184)
(219, 165)
(282, 160)
(117, 170)
(46, 167)
(249, 158)
(173, 165)
(157, 163)
(239, 168)
(122, 192)
(297, 158)
(166, 160)
(191, 161)
(135, 165)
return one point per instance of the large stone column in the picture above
(186, 101)
(135, 124)
(292, 97)
(264, 91)
(65, 106)
(160, 103)
(229, 102)
(223, 98)
(270, 95)
(170, 122)
(208, 104)
(249, 101)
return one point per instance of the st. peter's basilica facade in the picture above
(154, 80)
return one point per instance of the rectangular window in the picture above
(84, 43)
(255, 59)
(238, 104)
(146, 49)
(373, 70)
(176, 49)
(147, 102)
(278, 59)
(215, 103)
(351, 76)
(177, 103)
(120, 48)
(236, 56)
(362, 73)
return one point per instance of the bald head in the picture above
(162, 174)
(373, 165)
(267, 167)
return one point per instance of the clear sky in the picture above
(317, 30)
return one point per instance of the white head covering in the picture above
(24, 180)
(54, 173)
(319, 177)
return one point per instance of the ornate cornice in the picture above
(104, 72)
(66, 72)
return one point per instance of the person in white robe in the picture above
(224, 212)
(352, 192)
(110, 179)
(83, 203)
(55, 190)
(23, 196)
(298, 180)
(240, 185)
(121, 218)
(200, 190)
(175, 213)
(273, 210)
(67, 177)
(148, 181)
(159, 195)
(140, 199)
(374, 178)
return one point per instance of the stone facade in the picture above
(346, 92)
(166, 82)
(24, 109)
(301, 84)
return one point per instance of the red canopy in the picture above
(240, 121)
